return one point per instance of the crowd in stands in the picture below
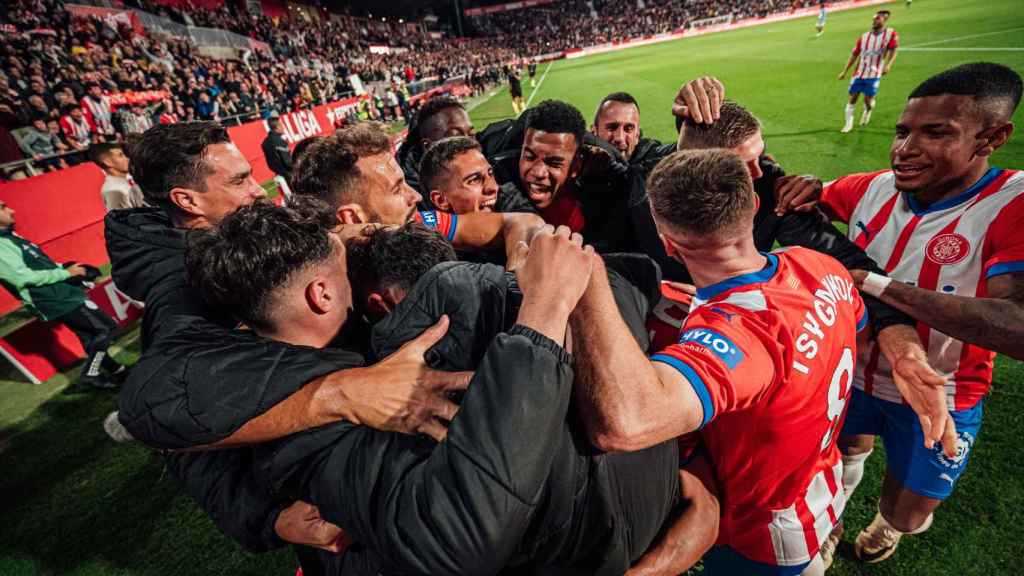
(563, 25)
(58, 70)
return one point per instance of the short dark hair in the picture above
(327, 168)
(238, 264)
(621, 97)
(995, 88)
(394, 257)
(734, 126)
(435, 162)
(98, 152)
(557, 117)
(432, 108)
(703, 192)
(885, 13)
(169, 156)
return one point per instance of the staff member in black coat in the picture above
(278, 155)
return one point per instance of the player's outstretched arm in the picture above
(488, 231)
(626, 401)
(995, 323)
(690, 534)
(890, 57)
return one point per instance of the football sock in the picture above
(849, 113)
(853, 472)
(865, 116)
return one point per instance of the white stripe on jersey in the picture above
(872, 49)
(787, 531)
(961, 278)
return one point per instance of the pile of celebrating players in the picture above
(538, 348)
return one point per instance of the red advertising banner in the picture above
(132, 98)
(298, 126)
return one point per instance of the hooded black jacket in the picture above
(516, 487)
(197, 380)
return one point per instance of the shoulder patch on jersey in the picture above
(948, 248)
(429, 219)
(715, 342)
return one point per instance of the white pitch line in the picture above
(539, 84)
(962, 50)
(958, 38)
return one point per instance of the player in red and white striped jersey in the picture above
(946, 226)
(876, 51)
(765, 358)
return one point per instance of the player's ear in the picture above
(318, 295)
(440, 201)
(993, 138)
(670, 247)
(377, 306)
(351, 214)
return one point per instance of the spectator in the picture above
(38, 143)
(97, 110)
(77, 128)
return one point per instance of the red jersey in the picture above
(443, 223)
(770, 355)
(565, 210)
(953, 247)
(872, 48)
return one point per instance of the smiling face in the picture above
(936, 145)
(386, 198)
(618, 123)
(468, 185)
(546, 163)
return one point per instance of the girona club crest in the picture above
(948, 248)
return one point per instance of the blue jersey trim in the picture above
(763, 275)
(960, 198)
(695, 381)
(863, 322)
(451, 229)
(1005, 268)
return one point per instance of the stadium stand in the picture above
(156, 63)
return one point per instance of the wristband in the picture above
(875, 284)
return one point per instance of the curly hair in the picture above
(557, 117)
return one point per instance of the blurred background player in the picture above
(876, 49)
(515, 87)
(822, 14)
(532, 68)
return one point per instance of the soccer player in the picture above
(822, 14)
(876, 51)
(515, 87)
(458, 179)
(765, 358)
(532, 68)
(947, 225)
(354, 171)
(440, 117)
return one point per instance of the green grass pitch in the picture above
(73, 502)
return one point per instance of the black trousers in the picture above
(95, 329)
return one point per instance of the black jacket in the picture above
(197, 380)
(516, 485)
(278, 154)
